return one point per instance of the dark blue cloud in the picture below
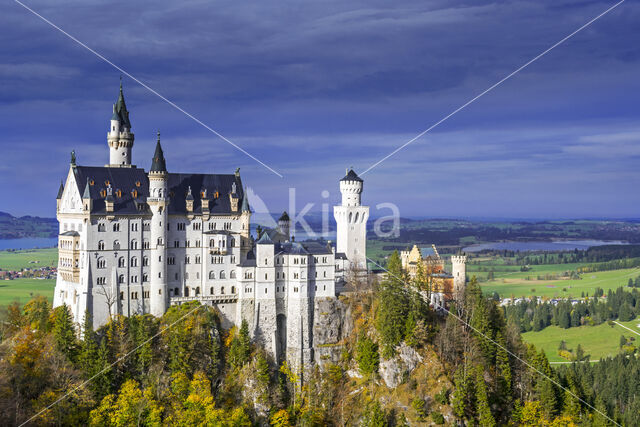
(311, 88)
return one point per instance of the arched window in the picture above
(102, 263)
(222, 290)
(121, 279)
(134, 244)
(101, 245)
(211, 290)
(233, 242)
(232, 275)
(356, 218)
(212, 275)
(121, 262)
(145, 261)
(116, 227)
(222, 276)
(101, 227)
(198, 291)
(116, 245)
(350, 216)
(233, 289)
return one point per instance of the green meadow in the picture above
(29, 258)
(518, 285)
(22, 290)
(597, 341)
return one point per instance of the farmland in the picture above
(597, 341)
(22, 290)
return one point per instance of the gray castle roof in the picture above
(131, 189)
(158, 163)
(120, 110)
(351, 176)
(60, 190)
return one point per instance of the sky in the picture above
(312, 88)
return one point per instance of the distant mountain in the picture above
(12, 227)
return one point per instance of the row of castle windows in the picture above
(146, 226)
(181, 226)
(68, 244)
(68, 262)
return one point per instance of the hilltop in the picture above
(12, 227)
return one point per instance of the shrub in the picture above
(437, 418)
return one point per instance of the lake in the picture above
(29, 243)
(560, 245)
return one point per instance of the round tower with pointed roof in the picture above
(120, 138)
(284, 225)
(351, 220)
(158, 201)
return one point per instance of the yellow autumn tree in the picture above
(132, 407)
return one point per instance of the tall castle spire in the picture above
(120, 138)
(158, 164)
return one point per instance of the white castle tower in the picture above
(158, 201)
(351, 219)
(119, 137)
(459, 272)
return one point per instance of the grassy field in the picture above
(23, 259)
(597, 341)
(518, 286)
(22, 290)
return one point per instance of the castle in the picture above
(135, 242)
(442, 285)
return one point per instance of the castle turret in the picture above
(284, 225)
(246, 217)
(158, 201)
(459, 272)
(120, 138)
(351, 219)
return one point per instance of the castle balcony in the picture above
(217, 251)
(204, 299)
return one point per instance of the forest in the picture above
(185, 369)
(535, 315)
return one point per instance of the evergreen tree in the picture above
(367, 355)
(64, 332)
(625, 314)
(391, 316)
(88, 358)
(485, 417)
(240, 348)
(374, 416)
(462, 394)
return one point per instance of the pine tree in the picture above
(240, 348)
(485, 417)
(393, 307)
(374, 416)
(461, 399)
(88, 355)
(64, 332)
(367, 355)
